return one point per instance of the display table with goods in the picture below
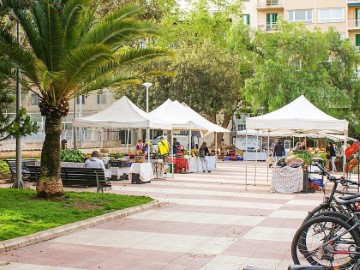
(287, 179)
(141, 173)
(255, 156)
(181, 165)
(195, 163)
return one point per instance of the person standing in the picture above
(203, 152)
(176, 146)
(330, 150)
(163, 148)
(140, 147)
(279, 151)
(94, 161)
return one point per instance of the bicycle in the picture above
(330, 241)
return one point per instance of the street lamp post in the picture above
(147, 85)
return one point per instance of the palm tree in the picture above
(69, 52)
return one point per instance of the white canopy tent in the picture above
(122, 114)
(299, 116)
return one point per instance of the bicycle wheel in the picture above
(325, 241)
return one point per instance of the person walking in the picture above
(279, 151)
(203, 152)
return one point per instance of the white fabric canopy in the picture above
(200, 119)
(300, 116)
(253, 132)
(178, 116)
(122, 114)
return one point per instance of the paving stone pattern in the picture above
(207, 221)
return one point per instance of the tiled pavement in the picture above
(207, 222)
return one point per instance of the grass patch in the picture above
(23, 213)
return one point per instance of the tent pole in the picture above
(148, 142)
(246, 137)
(216, 146)
(256, 154)
(268, 154)
(102, 137)
(344, 157)
(172, 155)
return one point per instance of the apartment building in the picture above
(343, 15)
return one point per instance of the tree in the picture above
(20, 125)
(71, 52)
(210, 67)
(294, 61)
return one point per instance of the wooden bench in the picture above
(24, 165)
(71, 176)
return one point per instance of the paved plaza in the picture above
(206, 221)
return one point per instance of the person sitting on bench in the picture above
(94, 161)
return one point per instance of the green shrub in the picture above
(72, 155)
(4, 168)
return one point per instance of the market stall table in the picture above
(287, 179)
(181, 165)
(145, 171)
(195, 163)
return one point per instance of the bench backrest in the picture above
(25, 163)
(73, 176)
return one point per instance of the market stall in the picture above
(299, 116)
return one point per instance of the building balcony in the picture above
(353, 3)
(353, 24)
(270, 4)
(270, 27)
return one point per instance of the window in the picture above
(357, 40)
(246, 19)
(34, 99)
(300, 15)
(271, 21)
(327, 15)
(101, 98)
(78, 100)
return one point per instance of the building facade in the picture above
(343, 15)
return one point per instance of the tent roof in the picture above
(300, 116)
(122, 114)
(178, 116)
(200, 119)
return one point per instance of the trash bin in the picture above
(63, 144)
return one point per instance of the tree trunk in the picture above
(50, 184)
(225, 123)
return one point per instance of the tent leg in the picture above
(172, 156)
(246, 137)
(268, 155)
(256, 154)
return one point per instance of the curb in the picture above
(42, 236)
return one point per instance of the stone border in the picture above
(42, 236)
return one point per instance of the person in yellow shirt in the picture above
(163, 148)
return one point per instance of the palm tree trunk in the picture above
(50, 183)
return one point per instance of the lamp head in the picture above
(147, 84)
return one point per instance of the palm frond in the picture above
(128, 56)
(73, 18)
(21, 58)
(117, 33)
(45, 77)
(82, 61)
(127, 11)
(108, 81)
(32, 32)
